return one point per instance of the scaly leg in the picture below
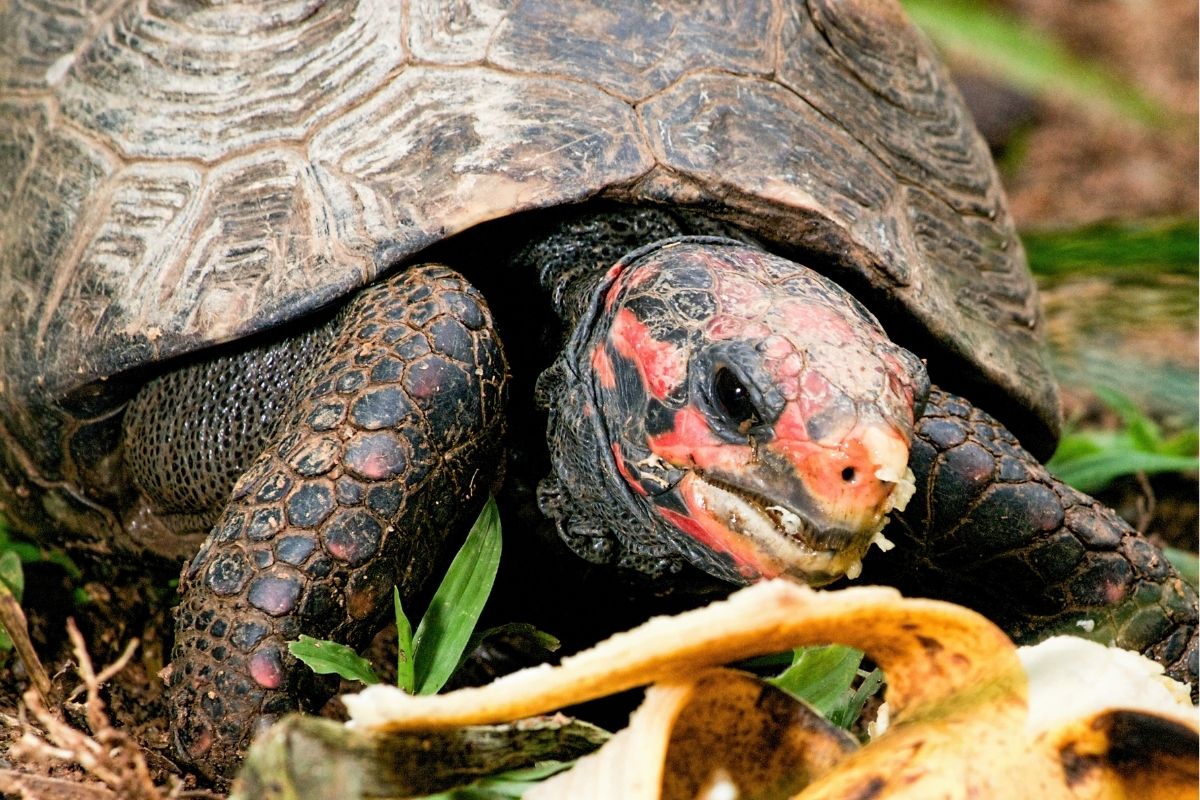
(1005, 537)
(390, 446)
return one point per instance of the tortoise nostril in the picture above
(848, 474)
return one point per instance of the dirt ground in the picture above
(1076, 166)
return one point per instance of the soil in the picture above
(1075, 166)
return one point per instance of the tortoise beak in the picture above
(802, 509)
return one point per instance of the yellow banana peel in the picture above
(957, 693)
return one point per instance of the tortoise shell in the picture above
(175, 174)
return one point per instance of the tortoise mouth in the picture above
(767, 538)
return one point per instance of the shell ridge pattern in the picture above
(37, 194)
(489, 117)
(457, 33)
(972, 173)
(774, 145)
(634, 49)
(197, 78)
(493, 138)
(47, 34)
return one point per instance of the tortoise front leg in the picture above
(392, 444)
(1008, 539)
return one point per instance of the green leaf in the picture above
(1092, 473)
(12, 574)
(450, 619)
(514, 783)
(325, 657)
(1090, 460)
(13, 578)
(405, 677)
(821, 676)
(1184, 443)
(1027, 57)
(1169, 247)
(547, 641)
(1141, 430)
(848, 714)
(1185, 563)
(33, 554)
(1074, 446)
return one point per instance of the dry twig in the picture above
(109, 755)
(13, 620)
(1146, 504)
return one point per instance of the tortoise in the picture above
(258, 261)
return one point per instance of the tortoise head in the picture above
(746, 409)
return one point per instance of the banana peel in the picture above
(957, 692)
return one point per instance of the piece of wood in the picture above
(312, 757)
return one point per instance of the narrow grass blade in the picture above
(405, 676)
(1142, 431)
(1171, 247)
(13, 574)
(1091, 473)
(325, 657)
(848, 714)
(450, 619)
(1185, 563)
(1027, 57)
(13, 578)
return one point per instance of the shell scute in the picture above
(179, 175)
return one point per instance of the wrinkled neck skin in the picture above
(718, 407)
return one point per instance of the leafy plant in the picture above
(1027, 57)
(428, 657)
(1090, 460)
(441, 639)
(13, 578)
(14, 555)
(824, 677)
(504, 785)
(325, 657)
(29, 553)
(1160, 247)
(1185, 563)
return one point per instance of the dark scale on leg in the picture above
(1010, 540)
(391, 443)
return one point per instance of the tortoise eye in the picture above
(733, 400)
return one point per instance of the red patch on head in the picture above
(792, 425)
(805, 315)
(603, 366)
(619, 459)
(620, 280)
(662, 365)
(838, 475)
(692, 443)
(611, 277)
(751, 564)
(899, 383)
(728, 326)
